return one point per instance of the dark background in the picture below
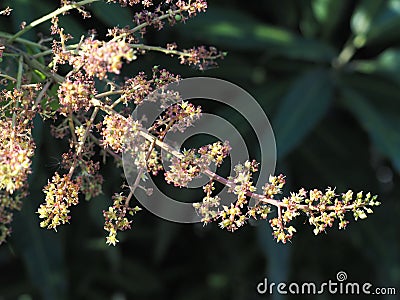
(327, 74)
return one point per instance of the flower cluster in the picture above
(201, 57)
(17, 147)
(16, 151)
(116, 218)
(131, 2)
(208, 208)
(274, 186)
(280, 232)
(240, 185)
(182, 115)
(178, 11)
(80, 103)
(89, 180)
(182, 171)
(75, 93)
(177, 117)
(61, 193)
(162, 77)
(321, 208)
(231, 217)
(193, 162)
(192, 7)
(242, 181)
(117, 131)
(215, 152)
(153, 160)
(6, 12)
(95, 57)
(99, 57)
(137, 88)
(16, 144)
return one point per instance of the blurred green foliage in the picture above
(326, 72)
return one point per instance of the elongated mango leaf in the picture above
(40, 249)
(386, 27)
(386, 64)
(382, 93)
(230, 29)
(329, 14)
(376, 21)
(301, 109)
(383, 128)
(269, 94)
(308, 23)
(364, 15)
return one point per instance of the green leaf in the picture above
(386, 64)
(387, 23)
(40, 249)
(269, 94)
(234, 30)
(377, 89)
(364, 15)
(383, 128)
(379, 98)
(301, 109)
(308, 24)
(376, 21)
(329, 14)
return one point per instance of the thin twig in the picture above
(82, 142)
(47, 17)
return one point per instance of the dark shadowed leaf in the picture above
(386, 64)
(365, 14)
(381, 92)
(386, 25)
(376, 21)
(301, 109)
(40, 249)
(329, 14)
(269, 95)
(236, 30)
(382, 126)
